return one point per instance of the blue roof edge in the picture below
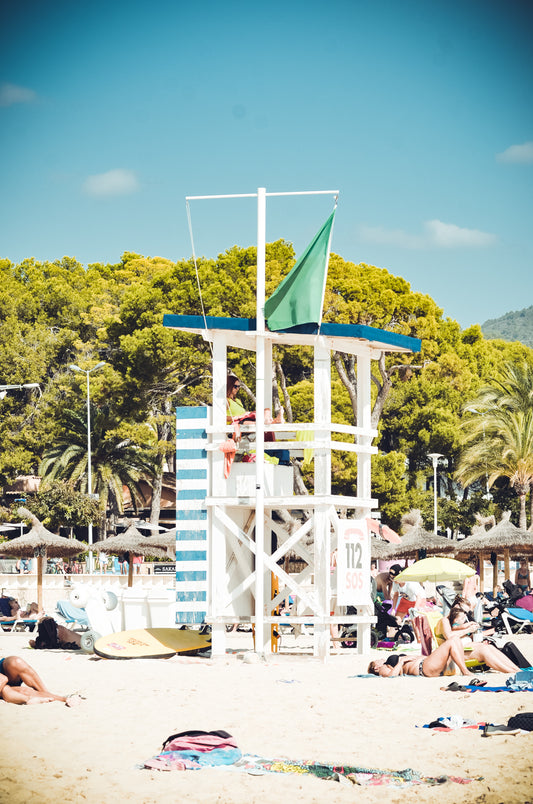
(329, 329)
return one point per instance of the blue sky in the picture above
(419, 111)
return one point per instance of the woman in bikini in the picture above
(457, 625)
(522, 578)
(430, 666)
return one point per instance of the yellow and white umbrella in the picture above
(436, 569)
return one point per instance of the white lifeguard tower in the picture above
(226, 558)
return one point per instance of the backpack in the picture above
(512, 653)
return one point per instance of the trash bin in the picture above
(162, 608)
(135, 609)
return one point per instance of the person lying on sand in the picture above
(20, 684)
(399, 664)
(54, 635)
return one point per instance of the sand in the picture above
(290, 705)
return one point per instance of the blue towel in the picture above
(70, 612)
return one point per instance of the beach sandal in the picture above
(477, 683)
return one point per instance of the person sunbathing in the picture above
(32, 612)
(400, 664)
(20, 684)
(457, 625)
(52, 634)
(14, 610)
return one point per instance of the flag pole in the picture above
(260, 425)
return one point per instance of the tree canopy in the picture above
(56, 313)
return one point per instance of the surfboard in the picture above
(150, 643)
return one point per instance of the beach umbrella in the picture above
(382, 531)
(132, 543)
(504, 539)
(167, 541)
(436, 569)
(379, 549)
(417, 539)
(41, 544)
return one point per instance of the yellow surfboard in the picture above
(150, 643)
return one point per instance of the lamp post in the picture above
(435, 458)
(89, 467)
(29, 385)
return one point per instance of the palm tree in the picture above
(499, 443)
(115, 461)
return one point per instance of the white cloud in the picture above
(448, 235)
(436, 235)
(114, 182)
(390, 237)
(522, 154)
(11, 94)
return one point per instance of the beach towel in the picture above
(193, 750)
(523, 680)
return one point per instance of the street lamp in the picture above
(89, 468)
(5, 388)
(487, 495)
(435, 458)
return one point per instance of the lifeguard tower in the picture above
(230, 545)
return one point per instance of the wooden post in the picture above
(495, 577)
(507, 564)
(481, 573)
(130, 570)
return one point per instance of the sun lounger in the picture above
(516, 616)
(18, 624)
(73, 616)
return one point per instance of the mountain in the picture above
(515, 326)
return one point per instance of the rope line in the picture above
(189, 220)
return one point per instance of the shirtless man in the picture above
(384, 581)
(20, 684)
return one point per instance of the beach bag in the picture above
(512, 653)
(523, 720)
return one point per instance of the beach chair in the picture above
(73, 617)
(515, 619)
(18, 624)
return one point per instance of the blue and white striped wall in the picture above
(191, 514)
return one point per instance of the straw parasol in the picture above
(379, 549)
(133, 543)
(418, 539)
(504, 538)
(41, 544)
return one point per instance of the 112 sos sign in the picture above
(353, 563)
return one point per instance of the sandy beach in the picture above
(290, 705)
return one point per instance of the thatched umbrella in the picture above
(40, 543)
(166, 540)
(132, 543)
(418, 539)
(504, 538)
(379, 549)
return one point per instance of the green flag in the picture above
(298, 299)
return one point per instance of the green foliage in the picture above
(56, 313)
(514, 326)
(60, 504)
